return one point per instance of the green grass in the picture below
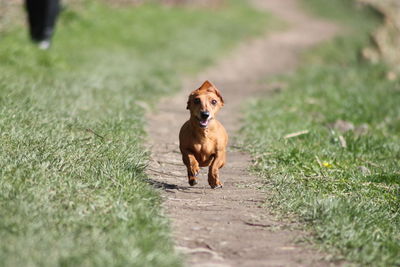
(72, 181)
(349, 196)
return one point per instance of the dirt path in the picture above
(229, 226)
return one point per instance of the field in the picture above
(72, 181)
(327, 143)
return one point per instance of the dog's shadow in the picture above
(165, 186)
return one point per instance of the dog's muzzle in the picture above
(204, 118)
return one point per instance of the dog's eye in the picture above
(214, 102)
(196, 100)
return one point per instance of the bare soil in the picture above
(234, 226)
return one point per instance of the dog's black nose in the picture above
(205, 114)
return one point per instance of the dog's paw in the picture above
(192, 181)
(215, 184)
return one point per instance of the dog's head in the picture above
(204, 103)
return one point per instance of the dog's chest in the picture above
(203, 151)
(205, 148)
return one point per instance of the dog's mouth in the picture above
(204, 122)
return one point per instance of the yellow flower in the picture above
(327, 165)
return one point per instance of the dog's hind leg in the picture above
(192, 166)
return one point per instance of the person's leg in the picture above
(42, 16)
(35, 10)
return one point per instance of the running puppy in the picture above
(203, 139)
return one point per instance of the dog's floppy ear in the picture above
(190, 99)
(207, 85)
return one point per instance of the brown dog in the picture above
(202, 138)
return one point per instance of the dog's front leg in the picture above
(213, 172)
(192, 166)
